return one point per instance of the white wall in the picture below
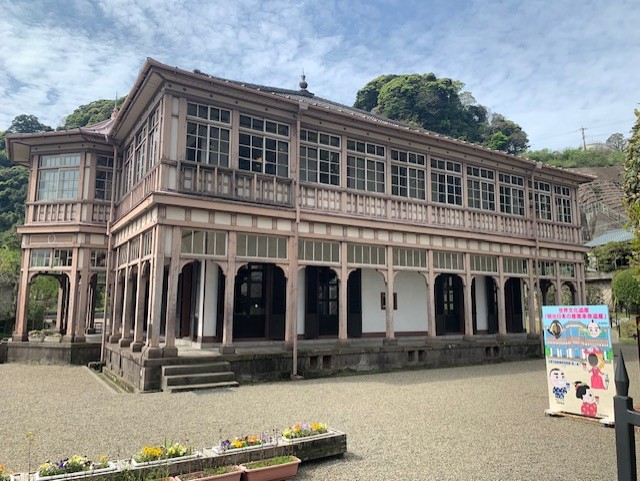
(413, 311)
(482, 316)
(302, 291)
(210, 304)
(373, 318)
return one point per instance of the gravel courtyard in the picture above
(472, 423)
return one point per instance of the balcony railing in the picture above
(148, 184)
(68, 211)
(314, 197)
(216, 181)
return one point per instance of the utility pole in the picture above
(584, 143)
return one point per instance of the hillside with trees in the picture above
(440, 105)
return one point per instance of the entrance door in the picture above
(259, 302)
(449, 304)
(321, 316)
(513, 305)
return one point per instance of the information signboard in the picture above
(579, 359)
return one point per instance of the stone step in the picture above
(201, 387)
(174, 370)
(198, 378)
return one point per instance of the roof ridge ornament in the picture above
(303, 83)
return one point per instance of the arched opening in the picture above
(449, 300)
(548, 292)
(322, 289)
(259, 305)
(187, 308)
(48, 302)
(484, 300)
(568, 294)
(513, 305)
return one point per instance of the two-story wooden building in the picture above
(224, 212)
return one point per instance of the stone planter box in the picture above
(329, 433)
(163, 462)
(79, 474)
(216, 450)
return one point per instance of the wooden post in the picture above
(20, 332)
(152, 348)
(390, 330)
(344, 285)
(229, 287)
(116, 314)
(143, 280)
(172, 290)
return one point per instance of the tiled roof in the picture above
(617, 235)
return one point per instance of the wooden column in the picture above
(84, 289)
(152, 349)
(116, 313)
(342, 301)
(468, 305)
(558, 284)
(73, 294)
(291, 322)
(431, 296)
(60, 310)
(172, 290)
(502, 317)
(128, 309)
(531, 265)
(390, 331)
(229, 287)
(143, 280)
(20, 332)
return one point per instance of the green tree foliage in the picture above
(569, 158)
(612, 256)
(626, 289)
(4, 161)
(26, 124)
(631, 182)
(594, 295)
(617, 142)
(13, 194)
(439, 105)
(89, 114)
(43, 296)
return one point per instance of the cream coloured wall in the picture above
(413, 312)
(373, 318)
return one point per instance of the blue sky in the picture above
(550, 66)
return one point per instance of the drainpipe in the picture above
(536, 254)
(108, 299)
(296, 193)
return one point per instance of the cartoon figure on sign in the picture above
(559, 383)
(589, 401)
(595, 358)
(555, 329)
(593, 329)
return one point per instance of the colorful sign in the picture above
(579, 357)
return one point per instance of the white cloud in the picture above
(546, 65)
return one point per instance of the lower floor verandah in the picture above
(266, 303)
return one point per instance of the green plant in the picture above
(165, 451)
(303, 430)
(74, 464)
(270, 462)
(5, 475)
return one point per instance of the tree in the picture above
(13, 195)
(26, 124)
(626, 289)
(439, 105)
(612, 256)
(594, 295)
(631, 182)
(91, 113)
(516, 138)
(617, 142)
(569, 158)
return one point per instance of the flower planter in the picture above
(329, 433)
(36, 338)
(218, 450)
(57, 338)
(79, 474)
(278, 472)
(162, 462)
(202, 476)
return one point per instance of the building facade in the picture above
(220, 212)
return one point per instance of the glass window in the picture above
(263, 153)
(446, 182)
(511, 194)
(58, 177)
(481, 188)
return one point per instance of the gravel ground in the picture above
(473, 423)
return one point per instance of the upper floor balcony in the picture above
(218, 182)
